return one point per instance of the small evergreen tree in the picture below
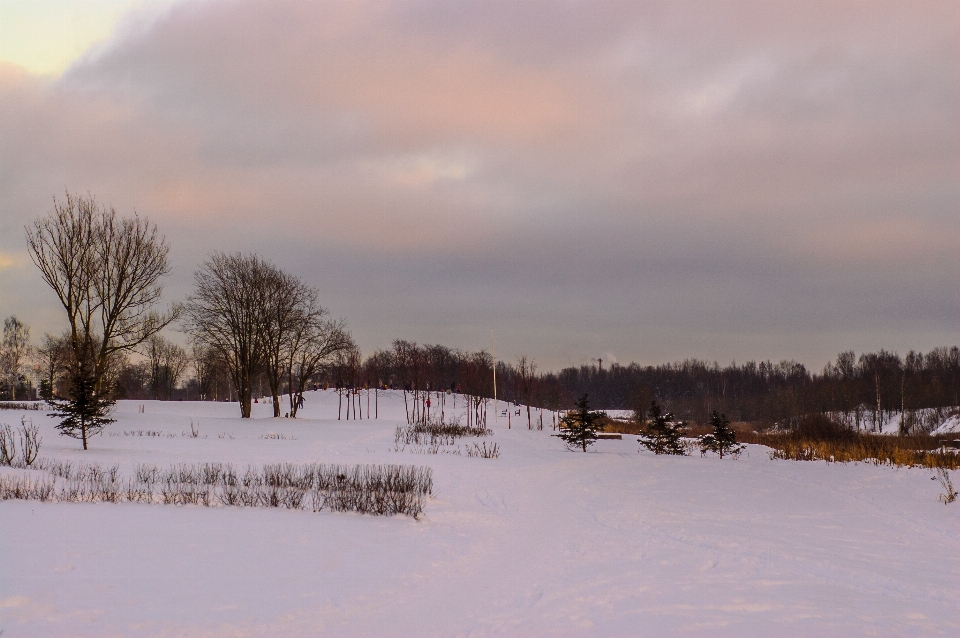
(662, 436)
(85, 412)
(723, 440)
(579, 428)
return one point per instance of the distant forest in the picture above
(857, 390)
(862, 391)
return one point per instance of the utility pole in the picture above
(493, 355)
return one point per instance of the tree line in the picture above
(245, 318)
(860, 392)
(254, 329)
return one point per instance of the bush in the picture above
(367, 489)
(25, 488)
(436, 432)
(493, 452)
(29, 442)
(943, 476)
(8, 446)
(29, 437)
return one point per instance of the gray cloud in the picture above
(649, 180)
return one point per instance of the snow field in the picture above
(540, 541)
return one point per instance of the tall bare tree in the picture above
(313, 342)
(287, 303)
(210, 371)
(106, 273)
(16, 350)
(52, 356)
(225, 313)
(168, 362)
(526, 377)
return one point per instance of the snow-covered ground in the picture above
(935, 421)
(538, 542)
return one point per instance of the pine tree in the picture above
(662, 436)
(85, 412)
(579, 428)
(723, 440)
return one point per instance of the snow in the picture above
(935, 421)
(950, 426)
(619, 414)
(541, 541)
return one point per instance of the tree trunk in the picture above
(246, 403)
(275, 393)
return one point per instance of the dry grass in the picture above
(820, 439)
(896, 453)
(619, 426)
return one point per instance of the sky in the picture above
(626, 181)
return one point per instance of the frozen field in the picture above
(538, 542)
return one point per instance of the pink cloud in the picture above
(626, 149)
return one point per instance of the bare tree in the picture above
(210, 371)
(225, 313)
(134, 381)
(526, 375)
(105, 271)
(52, 356)
(168, 362)
(313, 342)
(16, 349)
(287, 303)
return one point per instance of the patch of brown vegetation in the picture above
(820, 439)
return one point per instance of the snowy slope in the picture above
(541, 541)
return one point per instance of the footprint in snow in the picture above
(491, 500)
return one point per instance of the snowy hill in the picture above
(540, 541)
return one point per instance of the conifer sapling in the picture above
(662, 435)
(723, 440)
(85, 412)
(578, 428)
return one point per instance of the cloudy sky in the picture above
(637, 181)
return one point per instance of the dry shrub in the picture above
(943, 476)
(484, 452)
(13, 405)
(29, 436)
(367, 489)
(435, 433)
(8, 446)
(25, 488)
(185, 494)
